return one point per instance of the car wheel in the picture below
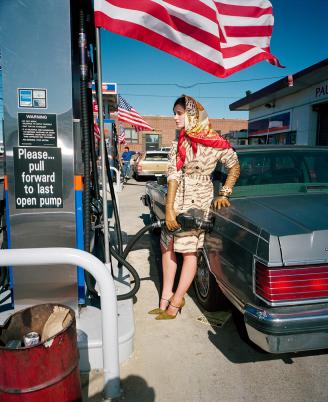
(137, 178)
(207, 290)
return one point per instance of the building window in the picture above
(279, 138)
(277, 123)
(152, 142)
(131, 136)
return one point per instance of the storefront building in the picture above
(165, 132)
(164, 126)
(293, 110)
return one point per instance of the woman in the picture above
(192, 159)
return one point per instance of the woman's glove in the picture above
(170, 215)
(221, 201)
(223, 198)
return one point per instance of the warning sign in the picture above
(37, 129)
(38, 177)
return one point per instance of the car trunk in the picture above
(154, 166)
(300, 223)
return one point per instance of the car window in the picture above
(317, 167)
(156, 157)
(276, 171)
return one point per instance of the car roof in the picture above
(282, 148)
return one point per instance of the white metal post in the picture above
(61, 255)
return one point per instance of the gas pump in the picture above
(51, 186)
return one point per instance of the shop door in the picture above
(322, 133)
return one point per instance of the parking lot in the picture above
(199, 358)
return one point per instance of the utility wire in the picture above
(201, 83)
(176, 96)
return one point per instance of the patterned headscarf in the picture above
(198, 130)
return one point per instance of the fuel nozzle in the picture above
(189, 222)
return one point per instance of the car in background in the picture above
(166, 149)
(268, 252)
(151, 163)
(134, 159)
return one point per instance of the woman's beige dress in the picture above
(195, 191)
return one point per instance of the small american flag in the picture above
(95, 106)
(96, 130)
(129, 115)
(121, 136)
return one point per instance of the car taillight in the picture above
(293, 283)
(139, 167)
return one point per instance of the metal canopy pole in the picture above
(102, 146)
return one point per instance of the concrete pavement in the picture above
(188, 359)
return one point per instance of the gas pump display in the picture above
(38, 177)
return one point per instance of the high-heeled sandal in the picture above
(158, 310)
(165, 316)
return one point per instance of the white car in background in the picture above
(151, 163)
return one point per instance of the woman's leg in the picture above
(169, 264)
(188, 272)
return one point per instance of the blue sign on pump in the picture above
(25, 98)
(35, 98)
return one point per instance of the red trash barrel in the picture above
(47, 371)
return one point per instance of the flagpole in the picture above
(102, 146)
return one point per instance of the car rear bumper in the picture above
(288, 332)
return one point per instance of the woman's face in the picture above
(179, 116)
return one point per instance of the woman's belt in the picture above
(197, 176)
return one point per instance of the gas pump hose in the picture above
(185, 221)
(122, 258)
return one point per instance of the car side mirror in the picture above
(161, 180)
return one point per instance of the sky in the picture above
(150, 80)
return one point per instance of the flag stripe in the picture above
(196, 7)
(264, 20)
(220, 37)
(242, 11)
(248, 31)
(246, 3)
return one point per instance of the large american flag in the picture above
(129, 115)
(220, 37)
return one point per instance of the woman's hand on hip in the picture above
(170, 219)
(220, 202)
